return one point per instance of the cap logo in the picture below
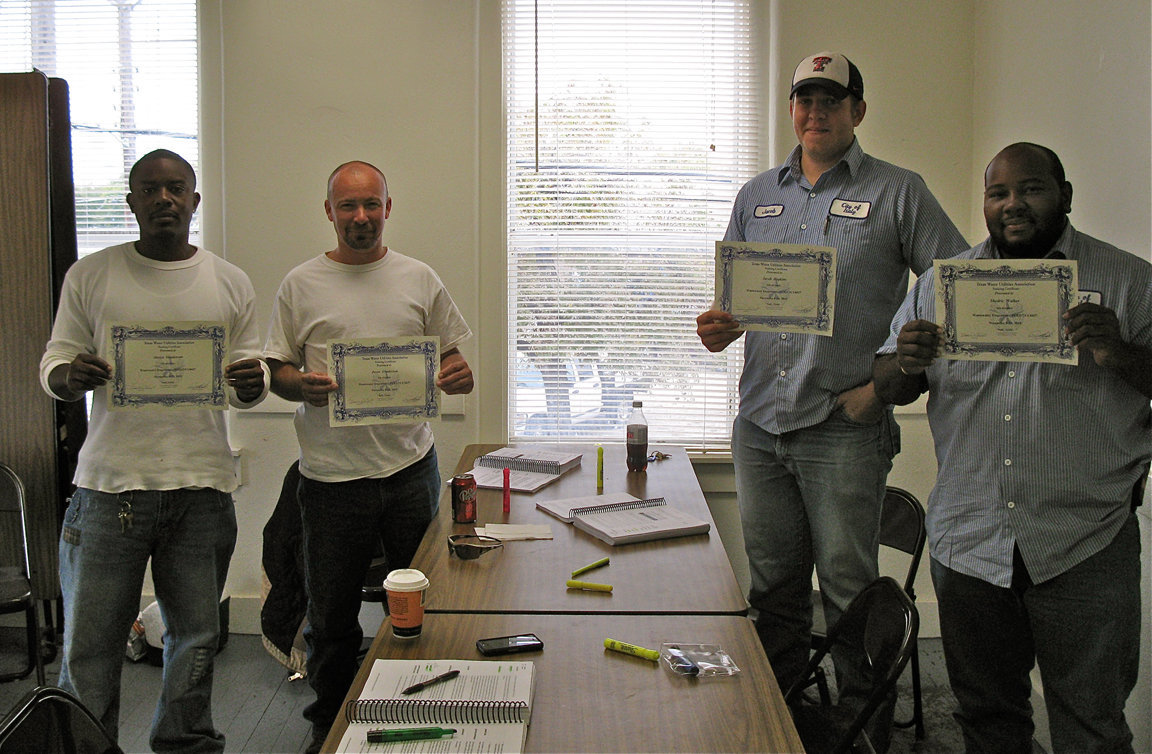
(818, 64)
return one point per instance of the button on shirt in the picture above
(882, 220)
(1039, 456)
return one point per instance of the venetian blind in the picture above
(132, 73)
(631, 125)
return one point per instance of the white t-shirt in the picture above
(152, 449)
(321, 301)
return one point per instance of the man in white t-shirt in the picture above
(153, 484)
(362, 487)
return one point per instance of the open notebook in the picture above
(488, 704)
(531, 467)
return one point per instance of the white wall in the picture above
(292, 88)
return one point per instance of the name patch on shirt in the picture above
(1088, 297)
(845, 208)
(769, 210)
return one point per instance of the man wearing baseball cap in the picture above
(812, 444)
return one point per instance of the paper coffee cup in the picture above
(406, 588)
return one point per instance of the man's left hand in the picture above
(246, 377)
(861, 404)
(455, 375)
(1096, 330)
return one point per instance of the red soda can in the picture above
(464, 499)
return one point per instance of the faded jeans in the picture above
(189, 535)
(809, 498)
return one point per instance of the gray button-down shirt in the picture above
(882, 220)
(1039, 456)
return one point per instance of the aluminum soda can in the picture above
(464, 499)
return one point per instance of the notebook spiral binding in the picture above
(520, 464)
(434, 711)
(627, 506)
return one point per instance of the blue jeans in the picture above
(345, 525)
(1082, 628)
(809, 498)
(189, 534)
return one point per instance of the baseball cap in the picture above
(831, 70)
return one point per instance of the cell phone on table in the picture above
(505, 645)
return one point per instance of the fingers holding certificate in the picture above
(1006, 309)
(778, 287)
(384, 381)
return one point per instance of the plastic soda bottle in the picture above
(637, 438)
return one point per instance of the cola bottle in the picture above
(637, 438)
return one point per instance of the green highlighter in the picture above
(407, 734)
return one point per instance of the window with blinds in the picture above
(132, 73)
(631, 125)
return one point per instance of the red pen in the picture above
(507, 490)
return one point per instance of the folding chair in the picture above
(15, 586)
(882, 619)
(49, 719)
(901, 528)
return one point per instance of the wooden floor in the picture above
(259, 709)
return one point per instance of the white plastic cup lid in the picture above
(406, 580)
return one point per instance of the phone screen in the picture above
(500, 645)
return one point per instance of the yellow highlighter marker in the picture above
(599, 470)
(588, 585)
(631, 649)
(589, 567)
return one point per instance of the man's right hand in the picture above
(917, 346)
(717, 329)
(315, 387)
(85, 372)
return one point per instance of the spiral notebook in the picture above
(532, 467)
(636, 521)
(488, 704)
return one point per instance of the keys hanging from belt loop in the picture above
(125, 516)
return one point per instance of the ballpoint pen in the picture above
(407, 734)
(431, 681)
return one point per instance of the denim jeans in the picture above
(1082, 628)
(189, 534)
(345, 524)
(809, 498)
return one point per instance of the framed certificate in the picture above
(384, 381)
(778, 287)
(1006, 309)
(167, 365)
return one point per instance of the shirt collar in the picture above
(852, 158)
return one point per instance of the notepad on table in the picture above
(489, 704)
(637, 521)
(531, 467)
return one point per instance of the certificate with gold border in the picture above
(778, 287)
(1006, 309)
(384, 381)
(167, 365)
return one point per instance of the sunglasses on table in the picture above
(471, 546)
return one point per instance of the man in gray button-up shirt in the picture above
(1034, 541)
(812, 446)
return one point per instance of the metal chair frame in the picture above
(12, 490)
(884, 621)
(50, 719)
(901, 528)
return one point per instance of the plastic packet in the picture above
(697, 660)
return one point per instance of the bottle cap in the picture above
(637, 404)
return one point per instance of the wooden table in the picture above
(589, 699)
(686, 575)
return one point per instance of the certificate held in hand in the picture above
(384, 381)
(777, 287)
